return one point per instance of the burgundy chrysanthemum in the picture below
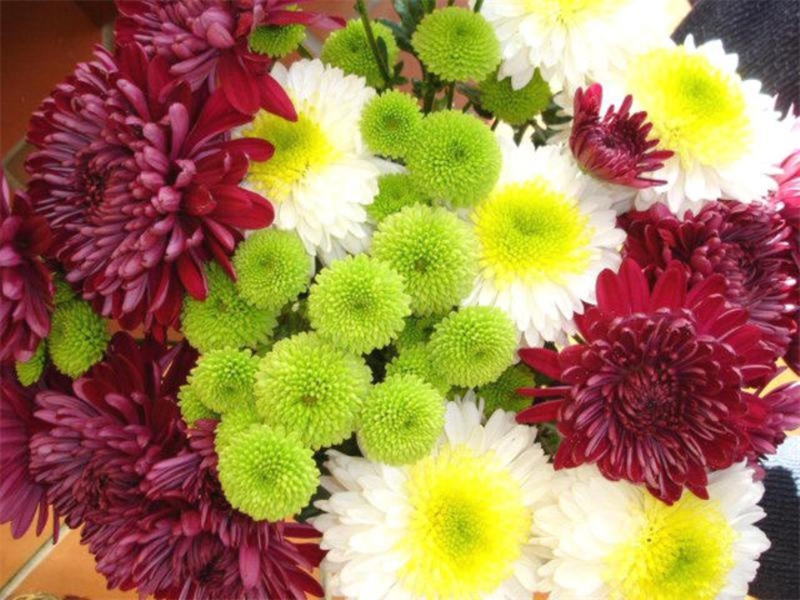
(615, 148)
(653, 393)
(141, 188)
(769, 416)
(26, 293)
(748, 244)
(206, 44)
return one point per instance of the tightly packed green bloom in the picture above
(515, 106)
(401, 420)
(30, 371)
(349, 50)
(63, 291)
(235, 422)
(389, 123)
(273, 267)
(224, 319)
(418, 330)
(502, 393)
(276, 40)
(395, 192)
(192, 409)
(311, 389)
(474, 346)
(457, 44)
(417, 360)
(456, 158)
(78, 337)
(224, 378)
(434, 251)
(358, 304)
(267, 473)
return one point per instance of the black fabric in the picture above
(764, 33)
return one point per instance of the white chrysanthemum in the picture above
(611, 539)
(321, 176)
(545, 233)
(725, 133)
(573, 42)
(456, 524)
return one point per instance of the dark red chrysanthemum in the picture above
(141, 188)
(653, 393)
(26, 286)
(748, 244)
(769, 416)
(206, 44)
(615, 148)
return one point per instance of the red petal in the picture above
(256, 150)
(670, 289)
(249, 565)
(540, 413)
(192, 276)
(542, 360)
(217, 116)
(274, 99)
(239, 85)
(241, 208)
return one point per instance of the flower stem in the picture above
(451, 90)
(373, 44)
(478, 5)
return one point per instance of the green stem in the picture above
(430, 96)
(303, 51)
(451, 90)
(467, 106)
(383, 67)
(478, 5)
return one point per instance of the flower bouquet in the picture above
(481, 301)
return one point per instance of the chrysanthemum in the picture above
(611, 539)
(455, 524)
(573, 42)
(27, 289)
(653, 393)
(139, 185)
(770, 415)
(321, 176)
(544, 233)
(349, 49)
(725, 134)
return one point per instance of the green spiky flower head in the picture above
(273, 267)
(417, 360)
(276, 41)
(63, 291)
(474, 346)
(349, 50)
(457, 44)
(434, 251)
(358, 304)
(515, 106)
(224, 319)
(401, 420)
(389, 123)
(395, 192)
(78, 337)
(30, 371)
(192, 409)
(311, 389)
(502, 393)
(223, 379)
(418, 330)
(456, 158)
(267, 473)
(235, 422)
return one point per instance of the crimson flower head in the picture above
(614, 148)
(138, 179)
(26, 292)
(653, 393)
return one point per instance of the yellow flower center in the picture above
(683, 551)
(467, 527)
(572, 12)
(300, 148)
(533, 233)
(697, 110)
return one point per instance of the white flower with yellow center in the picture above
(611, 539)
(544, 233)
(321, 177)
(573, 42)
(456, 524)
(726, 135)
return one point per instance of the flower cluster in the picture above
(496, 315)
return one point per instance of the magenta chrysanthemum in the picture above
(653, 394)
(614, 148)
(26, 293)
(139, 183)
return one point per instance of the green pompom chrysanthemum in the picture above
(224, 379)
(266, 473)
(457, 44)
(474, 346)
(401, 420)
(63, 291)
(389, 123)
(192, 408)
(416, 360)
(273, 267)
(434, 251)
(349, 50)
(418, 330)
(276, 40)
(311, 389)
(224, 319)
(78, 338)
(395, 192)
(456, 158)
(235, 422)
(502, 393)
(515, 106)
(30, 371)
(358, 304)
